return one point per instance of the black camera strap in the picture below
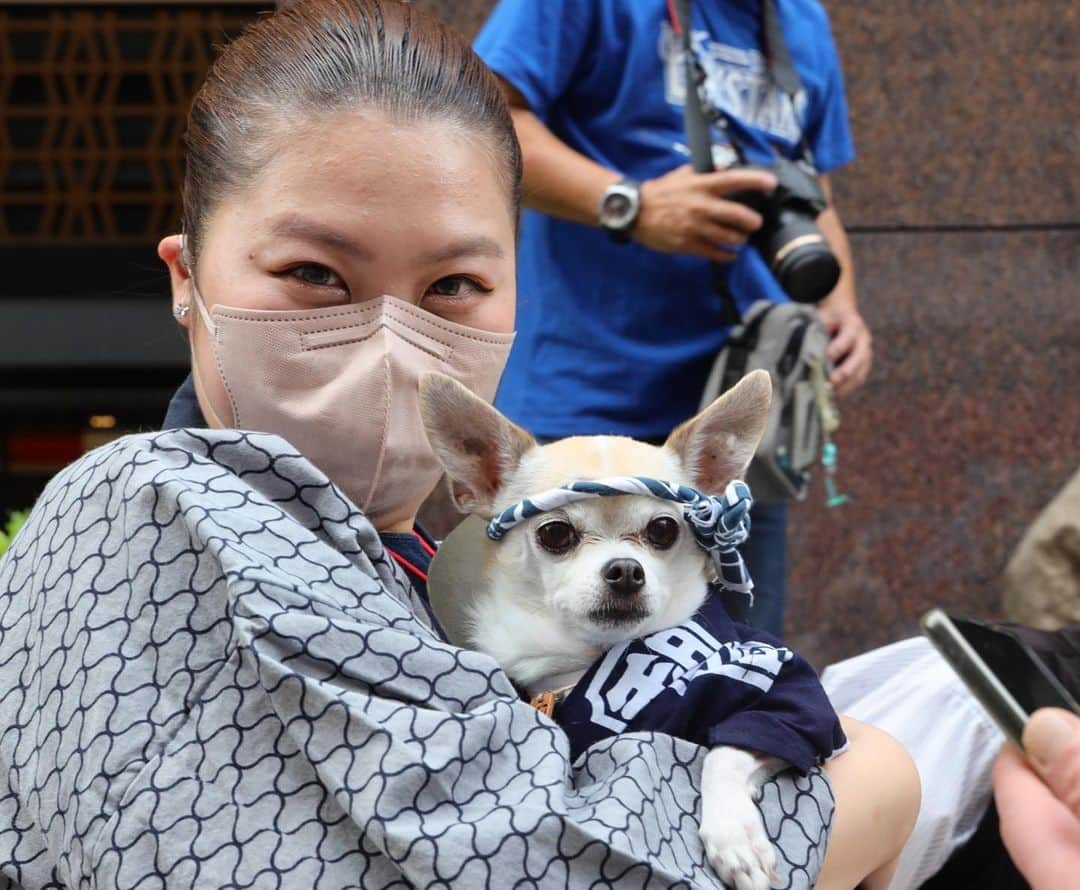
(694, 118)
(697, 121)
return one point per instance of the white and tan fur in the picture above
(547, 617)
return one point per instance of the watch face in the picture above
(619, 208)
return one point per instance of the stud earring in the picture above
(181, 309)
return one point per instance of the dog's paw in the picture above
(738, 848)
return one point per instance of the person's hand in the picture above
(685, 212)
(1040, 818)
(851, 349)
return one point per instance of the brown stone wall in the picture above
(963, 212)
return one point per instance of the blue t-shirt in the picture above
(709, 681)
(618, 338)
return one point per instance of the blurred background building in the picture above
(963, 208)
(93, 99)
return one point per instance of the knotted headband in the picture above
(720, 524)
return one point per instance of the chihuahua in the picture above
(570, 586)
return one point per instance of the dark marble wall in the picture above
(965, 112)
(970, 422)
(964, 212)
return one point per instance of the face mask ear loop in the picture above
(196, 297)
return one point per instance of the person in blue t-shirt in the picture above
(618, 328)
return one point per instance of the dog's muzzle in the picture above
(618, 613)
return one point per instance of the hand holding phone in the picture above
(1038, 801)
(1037, 793)
(1003, 674)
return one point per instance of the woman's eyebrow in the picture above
(480, 245)
(309, 230)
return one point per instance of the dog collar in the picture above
(719, 523)
(547, 702)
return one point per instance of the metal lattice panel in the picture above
(93, 100)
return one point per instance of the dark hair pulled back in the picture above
(318, 56)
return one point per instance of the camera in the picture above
(789, 239)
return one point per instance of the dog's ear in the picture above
(475, 444)
(717, 445)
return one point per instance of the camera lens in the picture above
(801, 260)
(808, 273)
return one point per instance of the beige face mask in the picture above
(341, 385)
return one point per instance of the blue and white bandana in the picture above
(720, 524)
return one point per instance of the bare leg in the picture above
(878, 793)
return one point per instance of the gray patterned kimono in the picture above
(211, 675)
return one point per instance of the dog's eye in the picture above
(662, 532)
(556, 537)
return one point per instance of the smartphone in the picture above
(1004, 674)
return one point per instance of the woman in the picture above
(215, 670)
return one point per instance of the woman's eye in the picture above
(457, 286)
(320, 276)
(557, 537)
(662, 532)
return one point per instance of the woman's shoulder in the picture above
(166, 489)
(146, 472)
(142, 455)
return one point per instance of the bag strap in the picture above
(744, 340)
(741, 343)
(781, 69)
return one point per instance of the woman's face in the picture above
(355, 206)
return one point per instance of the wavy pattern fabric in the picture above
(212, 675)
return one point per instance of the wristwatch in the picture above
(619, 207)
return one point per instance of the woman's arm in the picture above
(207, 672)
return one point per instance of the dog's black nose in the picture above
(624, 576)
